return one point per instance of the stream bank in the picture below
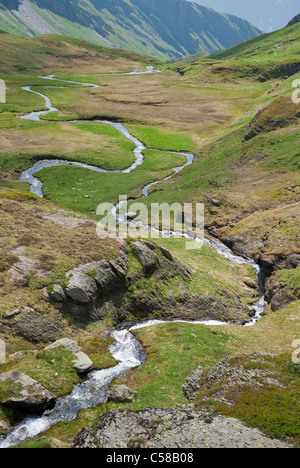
(126, 349)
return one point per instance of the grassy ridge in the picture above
(264, 57)
(53, 51)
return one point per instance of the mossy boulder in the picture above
(20, 392)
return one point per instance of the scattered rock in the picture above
(66, 219)
(67, 343)
(280, 293)
(280, 300)
(274, 382)
(20, 354)
(216, 202)
(17, 355)
(169, 428)
(234, 375)
(18, 391)
(292, 261)
(120, 267)
(148, 244)
(11, 313)
(19, 272)
(85, 439)
(262, 354)
(122, 394)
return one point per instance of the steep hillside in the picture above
(295, 20)
(275, 54)
(163, 29)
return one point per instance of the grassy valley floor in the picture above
(234, 112)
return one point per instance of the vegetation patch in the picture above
(281, 113)
(163, 140)
(269, 401)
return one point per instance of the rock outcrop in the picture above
(192, 384)
(280, 292)
(295, 20)
(90, 282)
(167, 428)
(20, 392)
(146, 256)
(94, 288)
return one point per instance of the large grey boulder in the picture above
(147, 258)
(81, 287)
(122, 394)
(82, 363)
(102, 272)
(18, 391)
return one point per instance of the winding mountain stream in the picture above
(126, 349)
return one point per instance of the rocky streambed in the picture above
(83, 292)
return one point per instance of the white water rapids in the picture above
(126, 349)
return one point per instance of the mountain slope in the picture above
(271, 55)
(268, 15)
(164, 29)
(294, 20)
